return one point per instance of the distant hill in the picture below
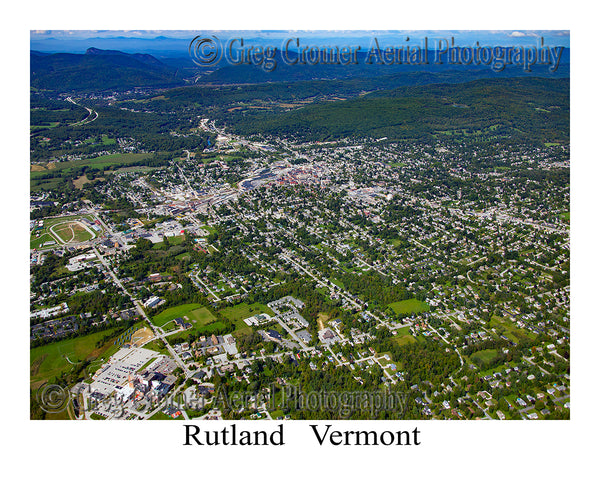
(225, 73)
(99, 70)
(530, 109)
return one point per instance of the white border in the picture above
(451, 449)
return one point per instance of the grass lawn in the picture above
(239, 312)
(383, 361)
(37, 242)
(175, 240)
(402, 332)
(201, 318)
(194, 311)
(404, 340)
(108, 141)
(79, 182)
(48, 222)
(161, 416)
(209, 329)
(409, 306)
(48, 361)
(135, 169)
(484, 357)
(157, 346)
(243, 310)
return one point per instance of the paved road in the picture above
(197, 277)
(529, 360)
(140, 309)
(87, 119)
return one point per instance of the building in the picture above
(273, 335)
(152, 302)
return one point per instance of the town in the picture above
(439, 271)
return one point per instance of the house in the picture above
(186, 356)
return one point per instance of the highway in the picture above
(87, 119)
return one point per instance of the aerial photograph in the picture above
(299, 225)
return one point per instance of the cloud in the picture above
(516, 34)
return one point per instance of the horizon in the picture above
(173, 41)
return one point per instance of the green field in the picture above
(97, 162)
(157, 346)
(484, 357)
(135, 169)
(72, 232)
(66, 230)
(108, 141)
(243, 310)
(409, 306)
(403, 337)
(34, 128)
(37, 242)
(48, 222)
(175, 240)
(196, 313)
(52, 359)
(59, 169)
(239, 312)
(510, 330)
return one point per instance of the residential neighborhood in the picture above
(374, 254)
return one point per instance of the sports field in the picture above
(63, 230)
(193, 313)
(72, 232)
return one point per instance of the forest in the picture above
(523, 109)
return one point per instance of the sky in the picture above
(174, 41)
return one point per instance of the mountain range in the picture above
(99, 70)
